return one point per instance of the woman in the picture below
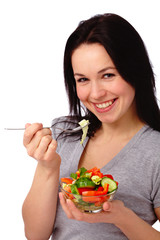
(110, 82)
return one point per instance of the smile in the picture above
(104, 105)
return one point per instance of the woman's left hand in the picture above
(116, 213)
(112, 211)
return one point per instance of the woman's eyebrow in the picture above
(79, 74)
(105, 69)
(100, 71)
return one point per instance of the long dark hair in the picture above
(128, 53)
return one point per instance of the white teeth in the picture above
(104, 105)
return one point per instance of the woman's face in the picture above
(99, 85)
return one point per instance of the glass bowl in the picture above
(88, 204)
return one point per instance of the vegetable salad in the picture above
(89, 184)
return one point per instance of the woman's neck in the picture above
(121, 129)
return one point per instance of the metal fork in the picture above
(63, 130)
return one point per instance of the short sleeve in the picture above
(155, 193)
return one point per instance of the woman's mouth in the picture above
(105, 106)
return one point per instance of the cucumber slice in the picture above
(112, 184)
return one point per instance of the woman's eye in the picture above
(108, 75)
(82, 80)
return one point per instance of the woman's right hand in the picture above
(40, 145)
(39, 208)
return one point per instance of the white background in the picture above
(32, 39)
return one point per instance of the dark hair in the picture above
(128, 53)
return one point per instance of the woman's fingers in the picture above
(36, 136)
(42, 146)
(51, 151)
(30, 131)
(109, 214)
(65, 206)
(27, 125)
(73, 212)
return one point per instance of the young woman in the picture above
(110, 82)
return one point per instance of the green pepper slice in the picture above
(74, 189)
(85, 182)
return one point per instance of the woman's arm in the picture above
(157, 212)
(116, 213)
(39, 207)
(135, 228)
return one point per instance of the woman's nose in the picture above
(97, 91)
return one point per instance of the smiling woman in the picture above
(106, 67)
(101, 89)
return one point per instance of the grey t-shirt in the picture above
(137, 169)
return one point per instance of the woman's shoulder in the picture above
(151, 135)
(149, 142)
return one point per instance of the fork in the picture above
(63, 130)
